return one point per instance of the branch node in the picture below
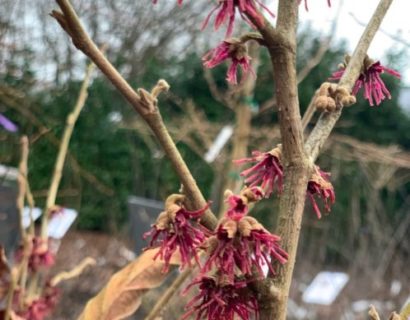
(147, 101)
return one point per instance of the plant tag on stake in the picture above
(35, 213)
(220, 141)
(61, 222)
(325, 288)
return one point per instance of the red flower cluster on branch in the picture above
(241, 242)
(237, 251)
(39, 256)
(320, 186)
(174, 230)
(267, 171)
(218, 300)
(234, 50)
(375, 91)
(40, 308)
(227, 10)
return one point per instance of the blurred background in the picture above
(116, 176)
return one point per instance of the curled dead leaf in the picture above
(121, 297)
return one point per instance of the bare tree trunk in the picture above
(295, 162)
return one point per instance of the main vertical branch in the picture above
(296, 165)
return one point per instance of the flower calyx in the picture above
(239, 204)
(167, 217)
(240, 228)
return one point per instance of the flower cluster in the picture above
(174, 230)
(41, 307)
(230, 49)
(219, 300)
(39, 256)
(267, 171)
(236, 251)
(240, 242)
(227, 10)
(375, 91)
(320, 186)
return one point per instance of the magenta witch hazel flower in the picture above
(227, 12)
(375, 90)
(320, 186)
(40, 308)
(240, 242)
(306, 4)
(230, 49)
(220, 300)
(40, 255)
(173, 230)
(266, 173)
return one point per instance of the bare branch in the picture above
(216, 93)
(143, 102)
(62, 152)
(168, 294)
(281, 43)
(327, 121)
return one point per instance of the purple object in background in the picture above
(7, 124)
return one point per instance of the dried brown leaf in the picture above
(122, 295)
(373, 313)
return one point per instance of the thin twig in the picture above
(167, 295)
(22, 182)
(22, 107)
(75, 272)
(143, 102)
(62, 152)
(24, 192)
(310, 111)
